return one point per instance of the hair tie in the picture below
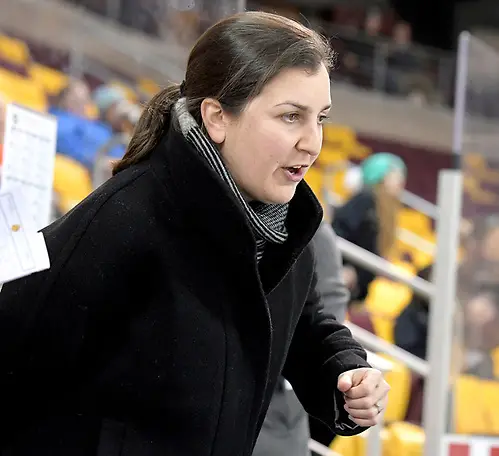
(182, 89)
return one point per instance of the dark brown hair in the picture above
(231, 62)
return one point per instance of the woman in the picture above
(369, 218)
(183, 287)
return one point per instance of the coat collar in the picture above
(200, 203)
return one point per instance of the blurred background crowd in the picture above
(94, 63)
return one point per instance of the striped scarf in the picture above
(267, 221)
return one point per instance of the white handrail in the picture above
(406, 236)
(372, 342)
(319, 448)
(383, 267)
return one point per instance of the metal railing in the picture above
(406, 236)
(442, 296)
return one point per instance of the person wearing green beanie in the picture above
(369, 218)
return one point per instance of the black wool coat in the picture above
(155, 332)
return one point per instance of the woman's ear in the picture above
(214, 120)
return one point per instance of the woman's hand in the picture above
(366, 395)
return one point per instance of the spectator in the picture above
(405, 75)
(369, 218)
(128, 115)
(74, 98)
(285, 430)
(107, 100)
(373, 23)
(79, 137)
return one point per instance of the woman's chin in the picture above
(282, 195)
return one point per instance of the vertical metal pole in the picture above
(436, 400)
(460, 94)
(374, 442)
(441, 325)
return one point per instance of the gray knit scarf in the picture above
(266, 220)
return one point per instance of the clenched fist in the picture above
(365, 392)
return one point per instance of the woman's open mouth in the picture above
(295, 173)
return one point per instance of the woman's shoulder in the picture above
(118, 211)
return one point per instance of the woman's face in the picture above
(270, 146)
(395, 182)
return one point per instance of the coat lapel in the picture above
(198, 203)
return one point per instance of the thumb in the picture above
(345, 382)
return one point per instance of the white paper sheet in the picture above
(22, 249)
(29, 159)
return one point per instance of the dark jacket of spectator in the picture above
(357, 222)
(411, 326)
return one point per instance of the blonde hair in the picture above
(387, 210)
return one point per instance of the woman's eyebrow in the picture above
(301, 106)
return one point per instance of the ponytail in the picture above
(150, 128)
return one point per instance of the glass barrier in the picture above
(476, 388)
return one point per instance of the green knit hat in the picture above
(376, 167)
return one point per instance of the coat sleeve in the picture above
(321, 350)
(52, 322)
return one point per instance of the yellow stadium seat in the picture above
(405, 439)
(72, 182)
(347, 446)
(414, 221)
(14, 50)
(357, 445)
(387, 298)
(51, 80)
(399, 379)
(314, 178)
(22, 90)
(148, 86)
(341, 137)
(476, 404)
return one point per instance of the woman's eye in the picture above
(291, 118)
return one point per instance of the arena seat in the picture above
(343, 138)
(148, 86)
(357, 445)
(476, 404)
(72, 182)
(399, 379)
(387, 298)
(404, 439)
(53, 81)
(22, 90)
(414, 221)
(315, 179)
(14, 50)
